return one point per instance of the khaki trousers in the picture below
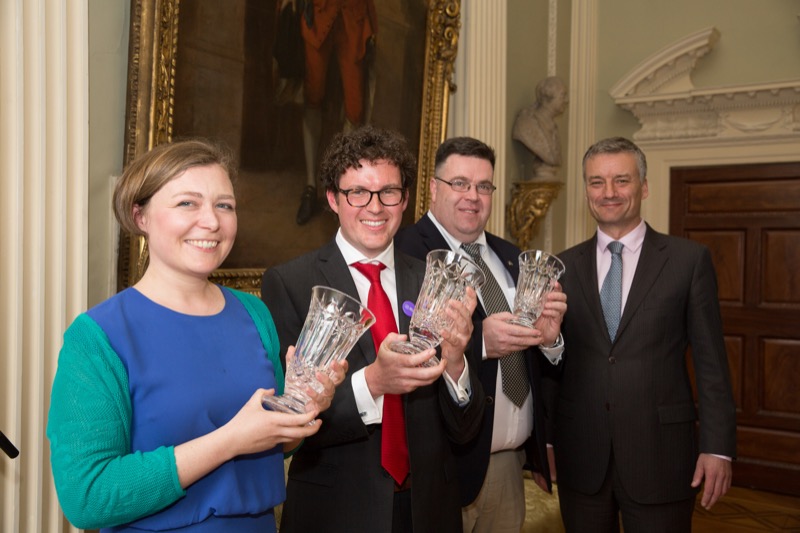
(500, 505)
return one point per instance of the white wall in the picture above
(109, 22)
(538, 46)
(760, 42)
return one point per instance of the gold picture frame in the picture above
(151, 106)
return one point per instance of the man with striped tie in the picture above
(513, 433)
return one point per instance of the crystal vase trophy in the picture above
(447, 276)
(334, 323)
(538, 273)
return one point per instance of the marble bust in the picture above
(535, 127)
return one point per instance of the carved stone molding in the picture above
(660, 93)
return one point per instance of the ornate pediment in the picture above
(660, 93)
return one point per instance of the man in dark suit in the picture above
(339, 481)
(513, 430)
(625, 435)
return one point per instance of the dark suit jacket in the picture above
(473, 458)
(336, 482)
(635, 395)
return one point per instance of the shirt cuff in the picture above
(721, 456)
(369, 409)
(554, 352)
(460, 391)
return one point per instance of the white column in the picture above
(11, 262)
(479, 104)
(43, 227)
(552, 49)
(582, 112)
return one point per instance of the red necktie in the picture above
(394, 449)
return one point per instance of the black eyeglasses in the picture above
(362, 197)
(460, 185)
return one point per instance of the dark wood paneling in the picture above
(782, 447)
(734, 347)
(741, 197)
(727, 251)
(781, 279)
(749, 217)
(782, 370)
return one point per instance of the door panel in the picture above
(749, 217)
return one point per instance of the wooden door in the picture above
(749, 216)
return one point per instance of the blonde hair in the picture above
(149, 172)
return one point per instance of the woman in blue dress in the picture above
(156, 421)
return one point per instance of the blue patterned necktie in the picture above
(611, 293)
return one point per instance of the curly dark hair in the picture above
(370, 144)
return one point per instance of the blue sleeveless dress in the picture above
(189, 375)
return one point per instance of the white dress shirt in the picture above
(371, 409)
(631, 250)
(512, 425)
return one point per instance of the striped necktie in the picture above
(512, 366)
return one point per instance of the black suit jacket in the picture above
(634, 396)
(336, 482)
(473, 458)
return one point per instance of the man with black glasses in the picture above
(513, 431)
(382, 460)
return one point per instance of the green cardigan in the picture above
(99, 481)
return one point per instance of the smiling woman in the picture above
(179, 197)
(224, 68)
(190, 224)
(126, 395)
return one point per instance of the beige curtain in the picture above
(43, 227)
